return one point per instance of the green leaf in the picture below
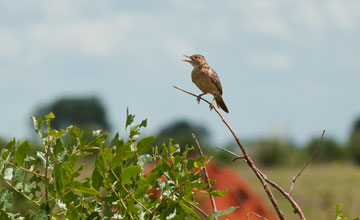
(8, 175)
(5, 199)
(107, 154)
(224, 212)
(129, 172)
(122, 153)
(59, 181)
(41, 213)
(116, 142)
(98, 140)
(59, 147)
(94, 216)
(68, 168)
(87, 191)
(4, 215)
(9, 148)
(97, 179)
(338, 211)
(145, 158)
(100, 164)
(129, 118)
(41, 156)
(143, 123)
(48, 118)
(145, 144)
(21, 152)
(57, 134)
(218, 192)
(190, 164)
(29, 187)
(72, 213)
(134, 130)
(188, 210)
(18, 176)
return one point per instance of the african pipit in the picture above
(206, 80)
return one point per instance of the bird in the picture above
(206, 79)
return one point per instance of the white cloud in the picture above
(310, 14)
(271, 25)
(10, 49)
(263, 17)
(272, 60)
(341, 15)
(92, 37)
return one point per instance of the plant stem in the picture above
(206, 176)
(21, 193)
(46, 173)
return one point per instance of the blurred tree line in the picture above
(89, 114)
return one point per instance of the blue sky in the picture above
(288, 69)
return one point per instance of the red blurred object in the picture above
(240, 194)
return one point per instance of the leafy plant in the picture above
(117, 186)
(339, 214)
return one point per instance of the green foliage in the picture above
(354, 146)
(329, 151)
(181, 132)
(117, 186)
(272, 152)
(354, 142)
(88, 113)
(339, 214)
(220, 213)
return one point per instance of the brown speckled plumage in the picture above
(206, 79)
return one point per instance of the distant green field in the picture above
(317, 190)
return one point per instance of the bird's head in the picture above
(196, 60)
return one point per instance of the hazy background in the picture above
(289, 69)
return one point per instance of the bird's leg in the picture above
(211, 106)
(199, 97)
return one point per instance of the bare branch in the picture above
(250, 164)
(273, 184)
(228, 151)
(197, 208)
(237, 157)
(206, 175)
(253, 213)
(307, 163)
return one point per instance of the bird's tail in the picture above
(220, 103)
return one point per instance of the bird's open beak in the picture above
(187, 60)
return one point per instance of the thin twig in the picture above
(250, 163)
(253, 213)
(47, 149)
(21, 193)
(197, 208)
(307, 163)
(237, 157)
(163, 201)
(23, 168)
(132, 196)
(206, 175)
(272, 183)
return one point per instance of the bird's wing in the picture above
(216, 80)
